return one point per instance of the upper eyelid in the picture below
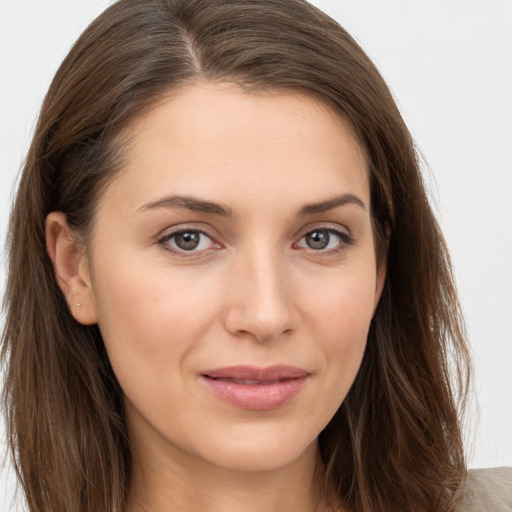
(342, 235)
(337, 231)
(180, 228)
(328, 226)
(172, 234)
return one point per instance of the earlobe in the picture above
(71, 267)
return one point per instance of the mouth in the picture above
(249, 381)
(256, 389)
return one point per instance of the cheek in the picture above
(342, 305)
(339, 320)
(150, 317)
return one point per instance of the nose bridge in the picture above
(261, 299)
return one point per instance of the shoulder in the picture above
(488, 490)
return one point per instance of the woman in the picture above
(226, 288)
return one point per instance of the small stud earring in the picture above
(78, 305)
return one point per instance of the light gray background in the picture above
(449, 65)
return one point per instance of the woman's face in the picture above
(234, 275)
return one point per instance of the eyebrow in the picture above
(188, 203)
(331, 204)
(200, 205)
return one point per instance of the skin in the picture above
(253, 292)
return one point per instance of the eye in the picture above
(323, 239)
(187, 240)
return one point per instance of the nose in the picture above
(260, 299)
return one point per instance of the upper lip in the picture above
(245, 372)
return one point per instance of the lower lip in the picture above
(256, 397)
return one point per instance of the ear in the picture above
(71, 267)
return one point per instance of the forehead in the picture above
(217, 139)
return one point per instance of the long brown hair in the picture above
(395, 443)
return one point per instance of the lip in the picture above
(256, 389)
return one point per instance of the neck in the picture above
(181, 482)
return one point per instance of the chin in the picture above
(260, 452)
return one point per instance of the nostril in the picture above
(263, 311)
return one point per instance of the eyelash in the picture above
(164, 242)
(345, 241)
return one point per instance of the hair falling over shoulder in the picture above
(395, 443)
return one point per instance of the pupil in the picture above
(188, 240)
(317, 239)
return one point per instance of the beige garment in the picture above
(487, 490)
